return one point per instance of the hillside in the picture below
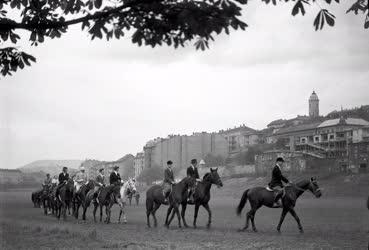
(50, 166)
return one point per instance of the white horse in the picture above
(127, 188)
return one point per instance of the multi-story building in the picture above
(181, 149)
(358, 150)
(240, 138)
(139, 163)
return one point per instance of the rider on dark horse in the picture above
(99, 182)
(276, 183)
(115, 177)
(193, 173)
(63, 178)
(168, 181)
(47, 181)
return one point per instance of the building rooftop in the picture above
(297, 128)
(348, 121)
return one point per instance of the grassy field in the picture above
(331, 222)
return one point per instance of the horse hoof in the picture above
(255, 230)
(241, 230)
(301, 231)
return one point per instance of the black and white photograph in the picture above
(184, 124)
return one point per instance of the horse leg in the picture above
(206, 206)
(124, 214)
(94, 212)
(84, 212)
(156, 207)
(252, 217)
(197, 206)
(293, 213)
(171, 218)
(170, 208)
(283, 215)
(183, 214)
(101, 212)
(176, 209)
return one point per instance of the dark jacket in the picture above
(114, 178)
(100, 179)
(168, 176)
(277, 178)
(192, 172)
(63, 177)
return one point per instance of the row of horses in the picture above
(58, 203)
(178, 198)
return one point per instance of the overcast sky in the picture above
(103, 100)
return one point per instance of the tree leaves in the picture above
(322, 17)
(11, 59)
(299, 8)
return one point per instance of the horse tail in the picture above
(242, 202)
(149, 205)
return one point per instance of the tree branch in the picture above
(8, 24)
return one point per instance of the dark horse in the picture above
(202, 196)
(79, 198)
(155, 197)
(36, 198)
(108, 196)
(260, 196)
(64, 198)
(45, 198)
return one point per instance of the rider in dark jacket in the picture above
(168, 180)
(192, 172)
(115, 177)
(277, 180)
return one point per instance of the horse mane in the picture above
(205, 176)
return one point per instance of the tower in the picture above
(313, 105)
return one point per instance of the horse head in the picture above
(314, 187)
(131, 186)
(213, 177)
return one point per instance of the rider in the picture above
(168, 181)
(193, 173)
(80, 179)
(99, 182)
(47, 181)
(276, 182)
(63, 178)
(115, 177)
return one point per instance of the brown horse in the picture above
(155, 197)
(260, 196)
(202, 196)
(80, 197)
(64, 198)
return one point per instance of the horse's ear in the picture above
(312, 179)
(216, 169)
(211, 169)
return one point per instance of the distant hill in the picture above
(50, 166)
